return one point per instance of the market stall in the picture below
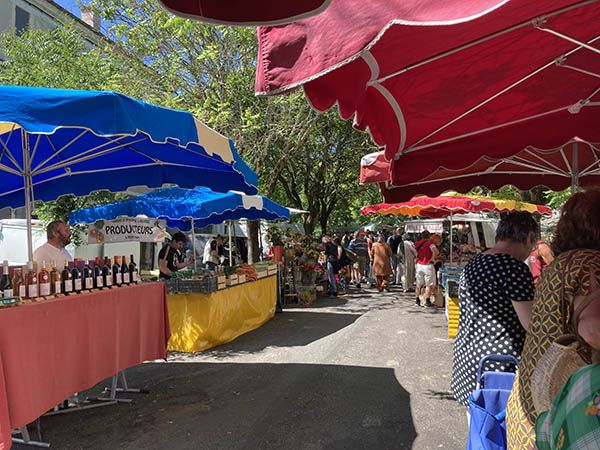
(207, 307)
(58, 142)
(202, 321)
(52, 349)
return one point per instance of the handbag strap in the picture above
(564, 305)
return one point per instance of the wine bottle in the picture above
(116, 270)
(133, 272)
(88, 276)
(66, 278)
(125, 271)
(56, 283)
(44, 281)
(6, 286)
(98, 279)
(18, 283)
(31, 281)
(107, 273)
(76, 276)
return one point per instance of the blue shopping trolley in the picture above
(487, 405)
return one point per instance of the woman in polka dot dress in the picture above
(495, 297)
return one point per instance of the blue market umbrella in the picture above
(55, 142)
(187, 209)
(183, 207)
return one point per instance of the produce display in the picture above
(28, 284)
(205, 281)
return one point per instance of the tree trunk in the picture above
(253, 229)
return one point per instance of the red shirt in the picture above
(424, 251)
(536, 263)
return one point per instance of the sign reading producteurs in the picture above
(126, 230)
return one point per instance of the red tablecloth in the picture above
(53, 349)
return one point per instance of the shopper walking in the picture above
(409, 262)
(427, 253)
(394, 242)
(382, 269)
(331, 259)
(359, 246)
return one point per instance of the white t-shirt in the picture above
(51, 255)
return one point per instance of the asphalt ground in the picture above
(361, 371)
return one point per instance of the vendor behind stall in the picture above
(170, 257)
(53, 252)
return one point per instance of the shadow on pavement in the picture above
(287, 329)
(246, 406)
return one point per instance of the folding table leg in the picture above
(26, 438)
(114, 389)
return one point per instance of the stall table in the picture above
(202, 321)
(52, 349)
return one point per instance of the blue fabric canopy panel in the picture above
(76, 142)
(179, 206)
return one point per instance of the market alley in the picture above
(361, 371)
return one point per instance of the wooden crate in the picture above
(241, 279)
(232, 280)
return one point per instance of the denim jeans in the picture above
(331, 277)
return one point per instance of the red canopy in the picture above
(556, 168)
(246, 12)
(457, 79)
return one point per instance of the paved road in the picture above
(363, 371)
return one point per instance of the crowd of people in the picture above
(509, 308)
(516, 298)
(381, 260)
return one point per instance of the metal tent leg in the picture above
(114, 389)
(26, 437)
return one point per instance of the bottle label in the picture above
(44, 289)
(119, 279)
(22, 291)
(33, 290)
(78, 284)
(68, 286)
(8, 293)
(134, 275)
(126, 278)
(89, 283)
(109, 280)
(99, 281)
(57, 287)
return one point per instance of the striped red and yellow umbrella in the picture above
(447, 205)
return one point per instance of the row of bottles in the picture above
(102, 274)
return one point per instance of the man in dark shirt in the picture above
(394, 242)
(331, 256)
(359, 246)
(170, 258)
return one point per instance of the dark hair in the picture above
(579, 223)
(425, 234)
(179, 237)
(516, 226)
(52, 228)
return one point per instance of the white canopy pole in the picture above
(451, 252)
(230, 249)
(575, 168)
(194, 244)
(27, 184)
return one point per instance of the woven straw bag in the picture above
(564, 356)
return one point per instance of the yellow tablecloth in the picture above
(202, 321)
